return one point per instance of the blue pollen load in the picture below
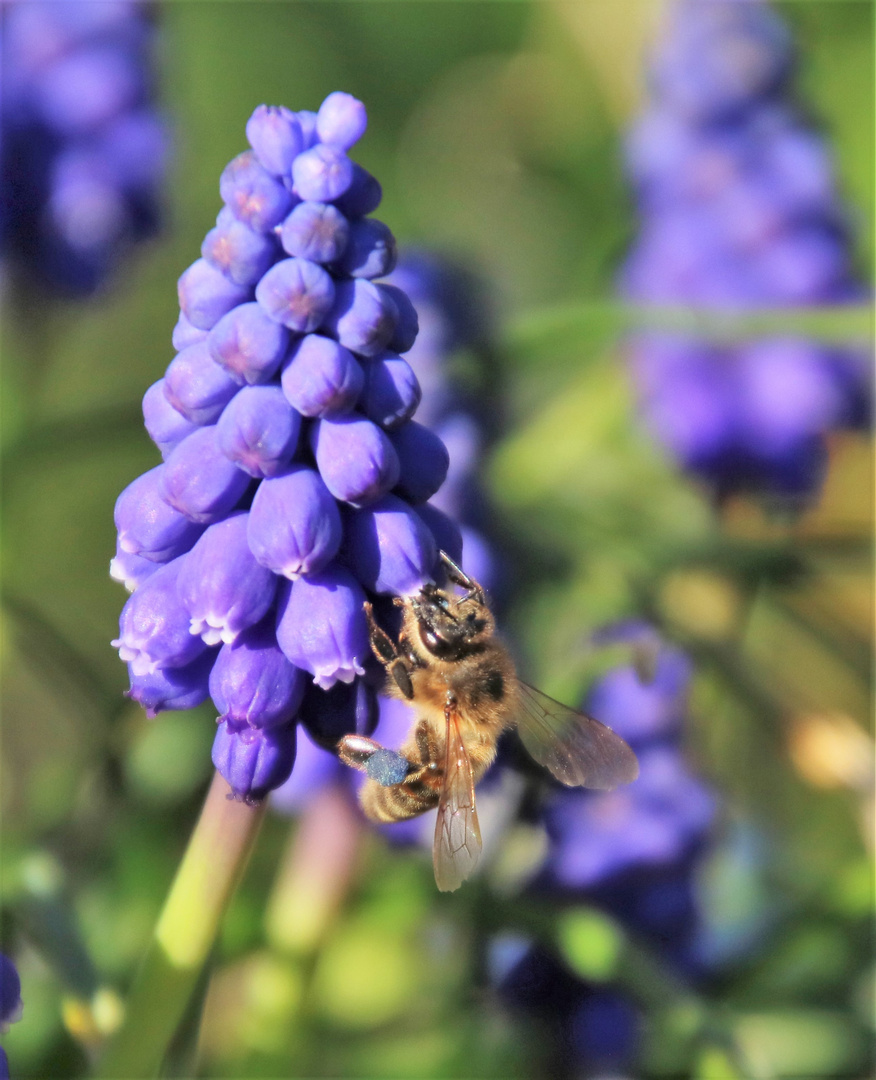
(387, 767)
(295, 483)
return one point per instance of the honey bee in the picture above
(449, 666)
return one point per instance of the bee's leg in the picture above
(422, 785)
(387, 652)
(385, 767)
(381, 643)
(402, 677)
(427, 745)
(458, 576)
(357, 750)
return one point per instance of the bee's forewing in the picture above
(457, 844)
(572, 746)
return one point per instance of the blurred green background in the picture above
(495, 130)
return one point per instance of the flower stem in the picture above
(184, 935)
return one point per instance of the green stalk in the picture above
(184, 935)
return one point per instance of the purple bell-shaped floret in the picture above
(294, 523)
(321, 625)
(222, 585)
(253, 683)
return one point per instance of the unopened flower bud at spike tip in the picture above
(253, 195)
(407, 324)
(237, 251)
(341, 120)
(184, 334)
(275, 135)
(363, 317)
(363, 195)
(205, 294)
(322, 173)
(370, 251)
(307, 120)
(392, 391)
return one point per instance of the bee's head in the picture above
(450, 627)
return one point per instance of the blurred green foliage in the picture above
(494, 128)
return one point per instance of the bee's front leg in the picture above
(388, 653)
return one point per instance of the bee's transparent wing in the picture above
(457, 833)
(572, 746)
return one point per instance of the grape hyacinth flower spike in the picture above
(739, 210)
(288, 494)
(294, 484)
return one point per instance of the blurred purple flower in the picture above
(632, 840)
(738, 210)
(10, 994)
(273, 477)
(632, 852)
(83, 147)
(593, 1030)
